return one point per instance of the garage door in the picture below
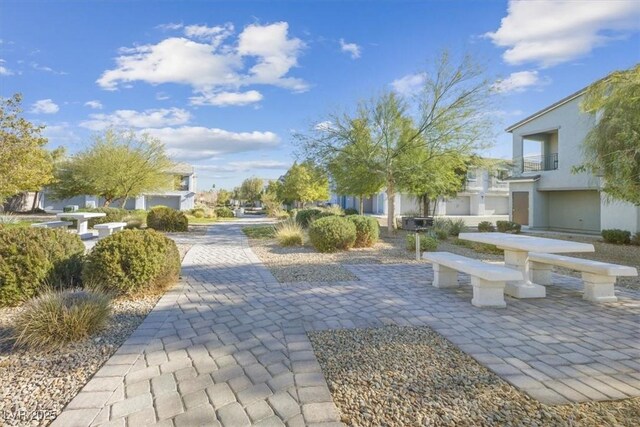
(459, 206)
(169, 201)
(574, 210)
(495, 205)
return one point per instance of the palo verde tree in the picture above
(118, 165)
(25, 165)
(612, 146)
(304, 183)
(446, 116)
(224, 196)
(251, 188)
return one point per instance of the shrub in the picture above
(508, 227)
(198, 212)
(442, 224)
(440, 233)
(33, 257)
(351, 211)
(332, 233)
(224, 212)
(57, 318)
(167, 219)
(486, 227)
(334, 210)
(456, 227)
(616, 236)
(293, 213)
(306, 216)
(427, 243)
(289, 233)
(367, 230)
(635, 240)
(132, 262)
(259, 231)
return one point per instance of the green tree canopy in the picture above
(305, 183)
(612, 147)
(251, 188)
(25, 165)
(223, 197)
(118, 165)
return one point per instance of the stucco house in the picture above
(182, 196)
(544, 193)
(485, 194)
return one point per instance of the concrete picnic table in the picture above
(516, 255)
(82, 219)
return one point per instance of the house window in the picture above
(181, 183)
(502, 174)
(471, 175)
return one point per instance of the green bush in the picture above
(332, 233)
(30, 258)
(508, 227)
(223, 212)
(259, 231)
(289, 233)
(456, 227)
(367, 230)
(54, 319)
(486, 227)
(616, 236)
(427, 243)
(306, 216)
(132, 262)
(351, 211)
(198, 212)
(440, 233)
(167, 219)
(635, 240)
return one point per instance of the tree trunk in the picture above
(107, 202)
(435, 207)
(361, 205)
(391, 211)
(36, 196)
(425, 204)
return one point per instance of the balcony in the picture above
(548, 162)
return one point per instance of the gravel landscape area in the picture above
(40, 384)
(397, 376)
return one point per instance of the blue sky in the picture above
(224, 84)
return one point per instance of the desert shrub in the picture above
(289, 233)
(259, 231)
(440, 233)
(427, 243)
(224, 212)
(335, 210)
(198, 212)
(455, 227)
(508, 227)
(8, 218)
(367, 230)
(635, 240)
(486, 227)
(54, 319)
(132, 262)
(332, 233)
(441, 223)
(351, 211)
(306, 216)
(30, 258)
(292, 213)
(167, 219)
(616, 236)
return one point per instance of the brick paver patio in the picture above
(229, 346)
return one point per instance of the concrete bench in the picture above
(598, 277)
(52, 224)
(488, 280)
(108, 228)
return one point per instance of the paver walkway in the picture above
(229, 346)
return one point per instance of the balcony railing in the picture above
(548, 162)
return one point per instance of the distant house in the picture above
(181, 196)
(543, 191)
(485, 194)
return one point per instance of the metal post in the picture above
(417, 246)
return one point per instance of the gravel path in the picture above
(396, 376)
(47, 381)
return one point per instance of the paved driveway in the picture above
(229, 346)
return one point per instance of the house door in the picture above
(520, 208)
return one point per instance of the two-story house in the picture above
(544, 192)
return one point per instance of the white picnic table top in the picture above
(80, 215)
(517, 242)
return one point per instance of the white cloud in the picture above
(137, 119)
(44, 106)
(351, 48)
(199, 143)
(60, 134)
(162, 96)
(549, 32)
(214, 65)
(4, 71)
(245, 166)
(46, 69)
(409, 84)
(323, 126)
(171, 26)
(224, 99)
(95, 104)
(519, 82)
